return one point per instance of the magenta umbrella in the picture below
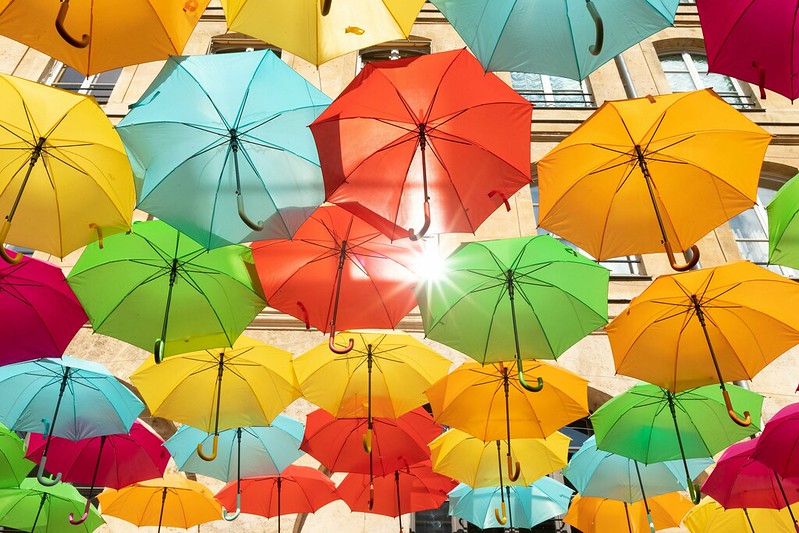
(753, 40)
(40, 313)
(778, 445)
(114, 461)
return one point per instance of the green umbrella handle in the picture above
(527, 386)
(693, 491)
(514, 469)
(83, 42)
(596, 48)
(3, 252)
(426, 226)
(746, 421)
(158, 351)
(326, 7)
(673, 261)
(83, 518)
(99, 231)
(214, 449)
(501, 518)
(235, 515)
(255, 226)
(367, 441)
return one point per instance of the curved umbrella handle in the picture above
(3, 252)
(367, 441)
(158, 351)
(331, 343)
(426, 226)
(693, 491)
(527, 386)
(502, 196)
(673, 261)
(83, 518)
(59, 26)
(503, 518)
(99, 234)
(596, 48)
(325, 8)
(747, 420)
(305, 317)
(255, 226)
(235, 515)
(514, 469)
(214, 449)
(40, 475)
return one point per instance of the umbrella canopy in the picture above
(329, 29)
(527, 506)
(41, 314)
(570, 38)
(783, 231)
(373, 145)
(210, 159)
(710, 517)
(81, 188)
(644, 163)
(339, 273)
(208, 298)
(14, 466)
(778, 445)
(41, 508)
(600, 515)
(96, 36)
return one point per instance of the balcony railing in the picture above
(564, 98)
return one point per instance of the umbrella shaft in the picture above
(369, 387)
(670, 398)
(648, 178)
(96, 466)
(399, 508)
(161, 514)
(785, 497)
(64, 380)
(749, 520)
(700, 315)
(219, 375)
(627, 515)
(499, 463)
(278, 503)
(37, 150)
(641, 484)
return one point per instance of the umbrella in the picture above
(41, 315)
(264, 451)
(208, 298)
(95, 403)
(432, 135)
(710, 517)
(628, 180)
(569, 38)
(41, 508)
(738, 314)
(81, 188)
(783, 242)
(334, 254)
(298, 489)
(527, 506)
(118, 35)
(777, 445)
(201, 150)
(171, 501)
(536, 288)
(213, 390)
(106, 461)
(14, 466)
(600, 515)
(319, 31)
(650, 424)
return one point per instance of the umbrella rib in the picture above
(243, 104)
(151, 277)
(202, 89)
(491, 321)
(47, 171)
(263, 185)
(213, 308)
(462, 297)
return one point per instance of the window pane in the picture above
(434, 521)
(748, 226)
(673, 63)
(69, 75)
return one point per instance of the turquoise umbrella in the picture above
(567, 38)
(527, 505)
(218, 142)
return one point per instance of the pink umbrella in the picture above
(40, 313)
(778, 445)
(114, 461)
(753, 40)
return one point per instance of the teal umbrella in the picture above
(221, 149)
(45, 509)
(567, 38)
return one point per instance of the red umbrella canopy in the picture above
(778, 445)
(396, 443)
(425, 142)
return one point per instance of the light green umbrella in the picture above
(783, 225)
(40, 509)
(13, 465)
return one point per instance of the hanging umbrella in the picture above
(298, 489)
(42, 508)
(203, 150)
(685, 330)
(783, 232)
(338, 273)
(778, 445)
(14, 466)
(95, 403)
(81, 188)
(225, 388)
(373, 145)
(600, 515)
(97, 36)
(319, 31)
(106, 461)
(208, 298)
(628, 180)
(650, 424)
(527, 506)
(710, 517)
(171, 501)
(569, 38)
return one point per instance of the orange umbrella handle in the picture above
(673, 261)
(3, 252)
(99, 231)
(596, 48)
(746, 421)
(326, 7)
(503, 518)
(214, 449)
(514, 469)
(59, 26)
(426, 226)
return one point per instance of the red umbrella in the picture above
(432, 136)
(338, 273)
(753, 40)
(298, 489)
(778, 445)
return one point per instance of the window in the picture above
(688, 71)
(232, 42)
(412, 47)
(552, 91)
(98, 85)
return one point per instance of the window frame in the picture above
(414, 46)
(89, 83)
(234, 42)
(549, 95)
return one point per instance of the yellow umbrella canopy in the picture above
(600, 515)
(65, 179)
(320, 30)
(93, 36)
(710, 517)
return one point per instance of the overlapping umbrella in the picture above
(42, 508)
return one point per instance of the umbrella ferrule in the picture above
(509, 279)
(37, 150)
(422, 135)
(234, 140)
(342, 255)
(700, 314)
(173, 272)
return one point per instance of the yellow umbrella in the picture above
(320, 30)
(93, 36)
(171, 501)
(644, 173)
(65, 179)
(213, 390)
(710, 517)
(600, 515)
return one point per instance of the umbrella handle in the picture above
(596, 48)
(325, 8)
(426, 226)
(673, 261)
(99, 234)
(502, 196)
(514, 469)
(83, 518)
(527, 386)
(371, 503)
(235, 515)
(59, 26)
(331, 343)
(214, 449)
(693, 491)
(746, 421)
(503, 518)
(367, 441)
(40, 475)
(190, 5)
(3, 252)
(255, 226)
(158, 351)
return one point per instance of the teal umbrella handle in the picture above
(83, 42)
(83, 518)
(255, 226)
(40, 472)
(235, 515)
(596, 48)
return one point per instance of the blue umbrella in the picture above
(95, 402)
(527, 505)
(215, 133)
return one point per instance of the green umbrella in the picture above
(13, 465)
(650, 424)
(39, 509)
(783, 226)
(156, 284)
(521, 298)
